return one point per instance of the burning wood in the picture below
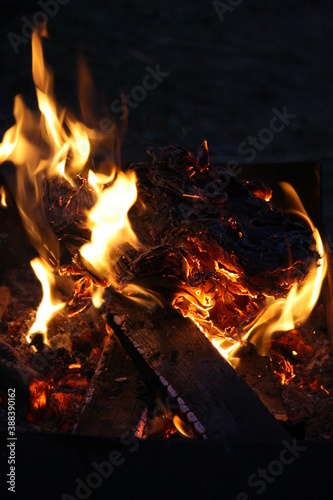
(201, 384)
(221, 257)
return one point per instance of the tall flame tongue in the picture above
(49, 144)
(46, 143)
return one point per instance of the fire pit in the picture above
(161, 280)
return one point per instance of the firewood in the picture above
(112, 404)
(214, 399)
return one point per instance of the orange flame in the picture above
(182, 427)
(3, 197)
(51, 143)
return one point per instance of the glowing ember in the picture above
(74, 366)
(39, 395)
(285, 372)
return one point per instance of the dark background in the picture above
(225, 76)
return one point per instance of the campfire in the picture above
(158, 279)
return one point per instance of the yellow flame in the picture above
(52, 143)
(48, 306)
(98, 181)
(3, 197)
(39, 145)
(110, 226)
(97, 297)
(141, 295)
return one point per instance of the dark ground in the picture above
(225, 77)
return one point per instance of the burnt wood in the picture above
(211, 393)
(113, 402)
(306, 177)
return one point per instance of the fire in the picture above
(283, 314)
(52, 144)
(3, 197)
(49, 306)
(73, 366)
(110, 225)
(182, 427)
(280, 314)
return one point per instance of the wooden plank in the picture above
(112, 404)
(205, 386)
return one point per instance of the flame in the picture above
(49, 306)
(182, 427)
(283, 314)
(3, 197)
(110, 226)
(74, 365)
(98, 181)
(51, 143)
(280, 314)
(97, 297)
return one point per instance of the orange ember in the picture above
(39, 396)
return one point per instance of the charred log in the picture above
(208, 391)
